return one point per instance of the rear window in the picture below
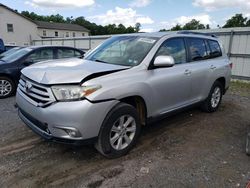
(197, 49)
(215, 48)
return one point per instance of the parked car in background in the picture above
(124, 83)
(2, 47)
(9, 47)
(12, 64)
(6, 53)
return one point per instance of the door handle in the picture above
(212, 67)
(187, 72)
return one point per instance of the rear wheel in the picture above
(119, 132)
(7, 87)
(212, 103)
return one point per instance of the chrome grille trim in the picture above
(35, 93)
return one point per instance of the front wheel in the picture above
(212, 103)
(119, 132)
(7, 87)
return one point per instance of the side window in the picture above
(40, 55)
(197, 49)
(66, 53)
(10, 28)
(175, 48)
(77, 53)
(215, 48)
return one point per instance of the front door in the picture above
(171, 86)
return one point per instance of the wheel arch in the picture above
(140, 105)
(222, 80)
(9, 76)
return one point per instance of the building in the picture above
(61, 30)
(17, 29)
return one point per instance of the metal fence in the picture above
(236, 42)
(84, 43)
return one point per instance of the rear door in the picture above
(202, 67)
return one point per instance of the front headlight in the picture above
(65, 93)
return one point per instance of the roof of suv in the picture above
(185, 33)
(49, 46)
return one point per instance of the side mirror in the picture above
(164, 61)
(28, 62)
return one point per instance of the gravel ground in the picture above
(190, 149)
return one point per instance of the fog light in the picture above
(71, 131)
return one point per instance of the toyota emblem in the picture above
(28, 86)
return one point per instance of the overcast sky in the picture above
(152, 14)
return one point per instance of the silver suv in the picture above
(126, 82)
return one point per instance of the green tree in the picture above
(94, 28)
(176, 28)
(248, 23)
(193, 25)
(236, 21)
(137, 27)
(162, 30)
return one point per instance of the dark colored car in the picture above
(9, 47)
(2, 47)
(11, 65)
(6, 53)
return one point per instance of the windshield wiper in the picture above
(101, 61)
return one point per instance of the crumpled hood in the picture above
(66, 71)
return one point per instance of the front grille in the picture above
(35, 93)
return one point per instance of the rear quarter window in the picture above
(214, 48)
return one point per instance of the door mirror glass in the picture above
(28, 62)
(164, 61)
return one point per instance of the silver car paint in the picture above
(61, 71)
(163, 89)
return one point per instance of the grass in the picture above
(239, 87)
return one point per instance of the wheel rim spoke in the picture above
(119, 143)
(115, 138)
(129, 120)
(215, 99)
(5, 87)
(115, 129)
(127, 139)
(131, 129)
(122, 132)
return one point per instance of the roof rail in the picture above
(196, 33)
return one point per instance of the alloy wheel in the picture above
(122, 132)
(5, 88)
(216, 97)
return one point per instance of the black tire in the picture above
(12, 87)
(207, 104)
(103, 144)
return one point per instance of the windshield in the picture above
(16, 55)
(122, 50)
(9, 52)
